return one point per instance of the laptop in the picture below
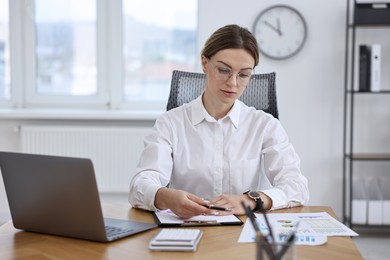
(59, 196)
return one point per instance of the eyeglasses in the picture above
(224, 73)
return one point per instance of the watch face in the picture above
(254, 194)
(280, 31)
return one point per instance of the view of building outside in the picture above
(159, 36)
(4, 51)
(66, 55)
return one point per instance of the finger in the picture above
(216, 200)
(198, 206)
(198, 200)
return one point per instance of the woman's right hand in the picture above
(183, 204)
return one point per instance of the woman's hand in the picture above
(182, 203)
(233, 202)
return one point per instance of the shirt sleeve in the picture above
(154, 168)
(282, 167)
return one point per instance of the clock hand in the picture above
(278, 28)
(272, 27)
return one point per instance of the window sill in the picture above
(79, 114)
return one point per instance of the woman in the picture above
(216, 150)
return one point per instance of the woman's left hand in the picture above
(232, 202)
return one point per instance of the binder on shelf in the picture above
(375, 202)
(364, 68)
(372, 12)
(375, 75)
(384, 183)
(359, 202)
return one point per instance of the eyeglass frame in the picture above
(231, 73)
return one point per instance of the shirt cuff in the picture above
(150, 196)
(277, 197)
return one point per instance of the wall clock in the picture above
(280, 31)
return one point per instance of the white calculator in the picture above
(176, 239)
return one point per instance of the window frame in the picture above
(109, 59)
(32, 99)
(13, 56)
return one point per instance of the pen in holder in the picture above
(280, 250)
(266, 246)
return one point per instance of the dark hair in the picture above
(231, 37)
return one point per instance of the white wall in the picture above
(310, 89)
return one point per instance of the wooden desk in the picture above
(217, 243)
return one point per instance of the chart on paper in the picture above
(324, 226)
(313, 229)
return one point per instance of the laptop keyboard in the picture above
(115, 231)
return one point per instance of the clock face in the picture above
(280, 31)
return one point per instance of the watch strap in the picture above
(259, 205)
(259, 202)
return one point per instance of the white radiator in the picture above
(114, 151)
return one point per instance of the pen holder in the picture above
(274, 250)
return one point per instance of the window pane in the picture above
(66, 47)
(159, 36)
(4, 51)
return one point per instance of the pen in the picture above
(268, 224)
(259, 236)
(250, 215)
(199, 222)
(217, 208)
(286, 246)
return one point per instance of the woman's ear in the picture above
(204, 63)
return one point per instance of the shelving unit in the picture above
(367, 17)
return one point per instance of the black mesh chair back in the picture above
(260, 93)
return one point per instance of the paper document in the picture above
(168, 219)
(313, 228)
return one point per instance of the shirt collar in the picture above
(234, 113)
(199, 112)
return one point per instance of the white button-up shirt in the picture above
(245, 150)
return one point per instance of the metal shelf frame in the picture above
(349, 155)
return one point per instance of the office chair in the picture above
(260, 93)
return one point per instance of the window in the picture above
(4, 51)
(65, 48)
(156, 41)
(96, 53)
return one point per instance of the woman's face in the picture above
(227, 74)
